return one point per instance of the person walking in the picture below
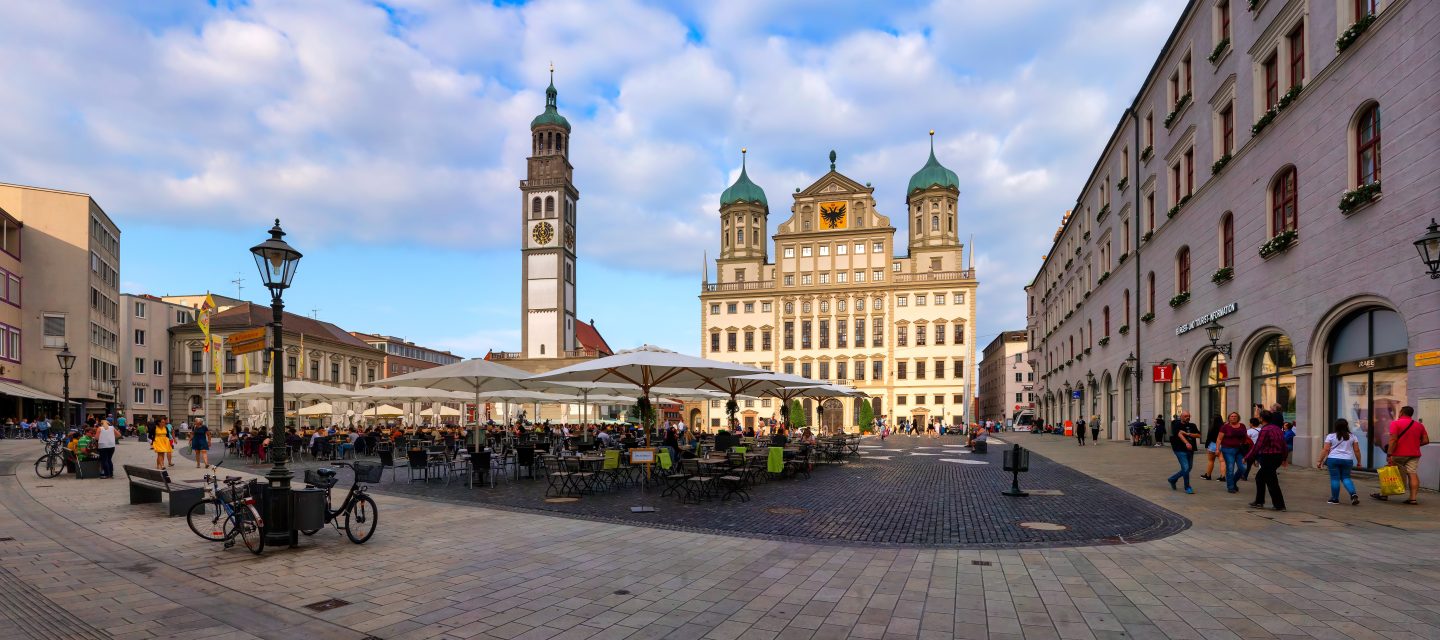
(200, 444)
(1160, 430)
(1269, 451)
(1232, 444)
(1182, 443)
(1252, 436)
(161, 444)
(1407, 435)
(1289, 442)
(105, 437)
(1080, 431)
(141, 430)
(1339, 453)
(1095, 429)
(1212, 446)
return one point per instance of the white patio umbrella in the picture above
(322, 409)
(472, 376)
(298, 390)
(444, 411)
(384, 411)
(648, 367)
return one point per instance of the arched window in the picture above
(1367, 145)
(934, 223)
(1105, 321)
(559, 142)
(740, 235)
(1150, 305)
(549, 206)
(1284, 202)
(952, 223)
(1182, 270)
(1273, 374)
(1227, 240)
(535, 208)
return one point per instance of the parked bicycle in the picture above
(52, 463)
(359, 510)
(227, 513)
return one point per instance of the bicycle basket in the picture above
(368, 472)
(313, 479)
(236, 494)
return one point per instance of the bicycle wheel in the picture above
(49, 466)
(361, 519)
(246, 525)
(207, 519)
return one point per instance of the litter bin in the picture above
(309, 508)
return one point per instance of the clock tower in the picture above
(547, 213)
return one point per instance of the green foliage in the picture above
(797, 415)
(865, 417)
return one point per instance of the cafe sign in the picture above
(1205, 319)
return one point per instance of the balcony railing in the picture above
(505, 355)
(739, 286)
(933, 276)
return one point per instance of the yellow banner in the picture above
(219, 370)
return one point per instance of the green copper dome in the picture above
(551, 115)
(933, 174)
(743, 190)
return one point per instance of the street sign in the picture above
(248, 341)
(1427, 358)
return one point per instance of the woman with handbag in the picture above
(1339, 453)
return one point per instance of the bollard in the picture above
(1017, 459)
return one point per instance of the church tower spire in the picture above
(548, 218)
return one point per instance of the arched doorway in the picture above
(1127, 401)
(1107, 417)
(1367, 353)
(695, 420)
(832, 417)
(1213, 397)
(1272, 375)
(1172, 394)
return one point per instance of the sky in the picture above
(390, 137)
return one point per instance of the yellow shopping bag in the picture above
(1390, 482)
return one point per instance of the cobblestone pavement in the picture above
(446, 570)
(902, 492)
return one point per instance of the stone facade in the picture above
(837, 304)
(1007, 385)
(1228, 176)
(145, 323)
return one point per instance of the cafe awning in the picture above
(22, 391)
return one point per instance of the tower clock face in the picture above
(570, 238)
(542, 233)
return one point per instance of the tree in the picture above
(865, 417)
(797, 415)
(731, 408)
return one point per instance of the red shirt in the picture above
(1232, 436)
(1408, 445)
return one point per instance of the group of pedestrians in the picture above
(1265, 445)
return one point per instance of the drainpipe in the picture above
(1138, 374)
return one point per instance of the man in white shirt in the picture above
(105, 437)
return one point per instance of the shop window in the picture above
(1272, 374)
(1227, 240)
(1368, 381)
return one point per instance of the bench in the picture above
(980, 446)
(147, 485)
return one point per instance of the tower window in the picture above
(535, 208)
(549, 206)
(934, 223)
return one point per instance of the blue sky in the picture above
(390, 137)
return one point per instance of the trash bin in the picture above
(309, 508)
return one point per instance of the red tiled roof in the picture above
(250, 315)
(589, 338)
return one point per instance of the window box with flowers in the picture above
(1085, 236)
(1124, 329)
(1356, 198)
(1174, 114)
(1147, 153)
(1079, 357)
(1272, 112)
(1147, 236)
(1353, 33)
(1103, 277)
(1069, 262)
(1068, 314)
(1104, 211)
(1104, 341)
(1220, 164)
(1087, 350)
(1252, 5)
(1121, 259)
(1124, 182)
(1086, 296)
(1223, 275)
(1220, 48)
(1279, 244)
(1175, 210)
(1148, 317)
(1179, 299)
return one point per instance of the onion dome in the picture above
(933, 174)
(743, 190)
(552, 114)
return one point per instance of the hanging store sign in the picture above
(1162, 373)
(1205, 319)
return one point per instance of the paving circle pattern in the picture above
(876, 501)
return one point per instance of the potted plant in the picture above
(1358, 197)
(1147, 317)
(1353, 33)
(1279, 244)
(1222, 275)
(1179, 299)
(1124, 329)
(1219, 164)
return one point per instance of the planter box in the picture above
(87, 469)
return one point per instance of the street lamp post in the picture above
(1429, 247)
(1134, 364)
(1213, 331)
(277, 260)
(115, 391)
(67, 361)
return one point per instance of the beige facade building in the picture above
(70, 251)
(145, 323)
(328, 355)
(403, 356)
(1007, 384)
(837, 303)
